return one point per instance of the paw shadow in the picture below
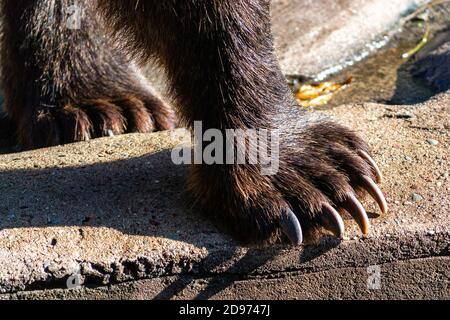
(139, 196)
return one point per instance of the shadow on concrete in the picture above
(139, 196)
(249, 266)
(135, 196)
(410, 90)
(215, 284)
(426, 75)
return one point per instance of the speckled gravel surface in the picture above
(412, 147)
(113, 210)
(110, 218)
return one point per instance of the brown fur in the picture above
(63, 85)
(222, 70)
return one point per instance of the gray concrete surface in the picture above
(320, 37)
(113, 212)
(341, 283)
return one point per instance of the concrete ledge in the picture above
(419, 279)
(112, 212)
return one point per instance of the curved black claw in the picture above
(357, 211)
(373, 164)
(291, 227)
(333, 221)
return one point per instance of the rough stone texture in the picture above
(434, 65)
(315, 37)
(112, 210)
(425, 279)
